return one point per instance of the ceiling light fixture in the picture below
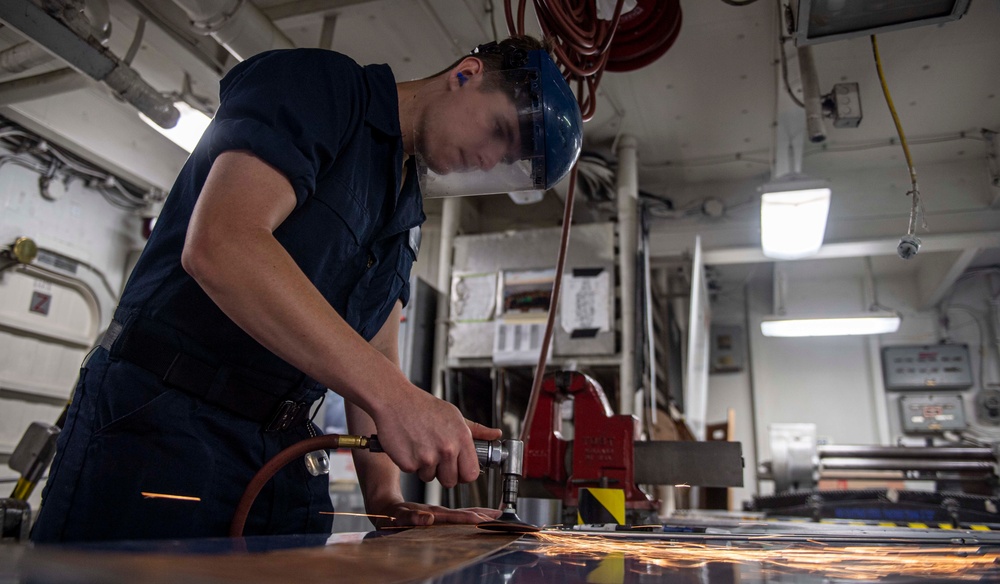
(189, 128)
(865, 323)
(793, 213)
(877, 320)
(819, 21)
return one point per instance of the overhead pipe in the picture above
(98, 14)
(237, 25)
(42, 85)
(627, 180)
(450, 219)
(64, 39)
(23, 56)
(78, 15)
(811, 98)
(647, 278)
(28, 55)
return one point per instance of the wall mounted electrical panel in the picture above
(931, 413)
(727, 349)
(923, 366)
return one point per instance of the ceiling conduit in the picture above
(237, 25)
(28, 55)
(64, 30)
(41, 86)
(22, 57)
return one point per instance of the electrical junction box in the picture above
(932, 413)
(924, 366)
(846, 98)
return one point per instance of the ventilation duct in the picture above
(237, 25)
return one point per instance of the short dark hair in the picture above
(494, 60)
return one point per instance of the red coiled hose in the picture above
(580, 41)
(586, 46)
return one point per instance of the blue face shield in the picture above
(541, 146)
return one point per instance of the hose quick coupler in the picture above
(350, 441)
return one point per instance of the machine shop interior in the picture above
(675, 437)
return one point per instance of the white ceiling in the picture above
(703, 114)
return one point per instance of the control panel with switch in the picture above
(932, 413)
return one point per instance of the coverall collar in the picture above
(383, 102)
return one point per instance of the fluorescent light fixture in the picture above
(865, 323)
(819, 21)
(189, 128)
(793, 218)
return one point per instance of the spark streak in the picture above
(848, 562)
(369, 515)
(166, 496)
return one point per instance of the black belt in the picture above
(152, 348)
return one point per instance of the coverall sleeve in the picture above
(292, 109)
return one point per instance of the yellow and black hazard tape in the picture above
(600, 506)
(896, 524)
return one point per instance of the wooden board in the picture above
(415, 554)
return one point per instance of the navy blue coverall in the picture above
(179, 400)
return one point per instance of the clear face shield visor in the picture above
(496, 140)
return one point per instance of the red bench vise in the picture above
(601, 453)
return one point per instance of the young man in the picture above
(278, 268)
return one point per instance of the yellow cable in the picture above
(902, 139)
(892, 110)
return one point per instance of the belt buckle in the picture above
(284, 415)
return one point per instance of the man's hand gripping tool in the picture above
(508, 456)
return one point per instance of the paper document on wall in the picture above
(473, 297)
(583, 304)
(518, 342)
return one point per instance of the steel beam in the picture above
(925, 453)
(850, 249)
(696, 464)
(34, 23)
(906, 464)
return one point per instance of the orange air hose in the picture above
(293, 452)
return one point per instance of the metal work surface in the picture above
(693, 550)
(571, 557)
(415, 554)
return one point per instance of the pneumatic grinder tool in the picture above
(508, 456)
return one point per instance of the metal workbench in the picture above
(721, 549)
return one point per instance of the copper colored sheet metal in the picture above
(413, 555)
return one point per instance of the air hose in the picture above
(280, 460)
